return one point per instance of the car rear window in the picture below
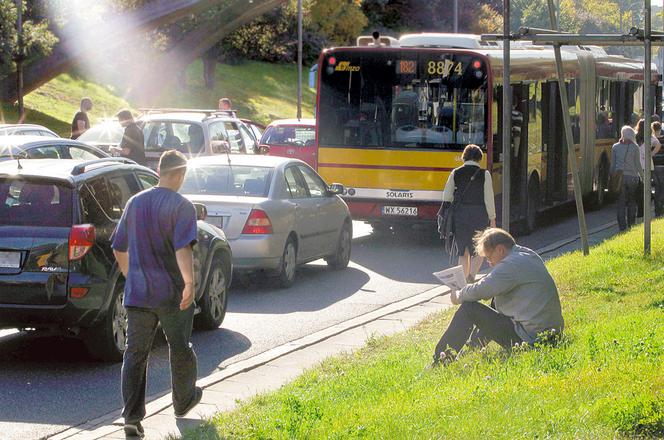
(28, 203)
(223, 180)
(289, 136)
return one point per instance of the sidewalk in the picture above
(268, 371)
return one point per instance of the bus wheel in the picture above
(600, 187)
(532, 208)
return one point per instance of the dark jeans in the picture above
(658, 179)
(627, 202)
(483, 323)
(141, 330)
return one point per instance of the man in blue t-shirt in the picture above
(153, 246)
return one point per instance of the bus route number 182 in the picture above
(410, 211)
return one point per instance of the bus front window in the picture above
(403, 100)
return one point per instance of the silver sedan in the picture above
(277, 213)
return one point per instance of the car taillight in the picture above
(257, 223)
(81, 240)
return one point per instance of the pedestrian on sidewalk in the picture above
(468, 193)
(655, 146)
(132, 145)
(526, 306)
(153, 247)
(627, 171)
(81, 121)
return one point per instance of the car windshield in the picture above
(107, 133)
(24, 203)
(289, 136)
(222, 180)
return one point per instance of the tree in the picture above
(38, 40)
(339, 21)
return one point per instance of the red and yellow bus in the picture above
(393, 119)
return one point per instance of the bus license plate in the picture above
(10, 260)
(400, 210)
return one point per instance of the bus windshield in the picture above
(396, 98)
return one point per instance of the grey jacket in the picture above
(523, 290)
(626, 157)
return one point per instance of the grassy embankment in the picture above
(260, 91)
(605, 380)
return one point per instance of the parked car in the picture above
(294, 138)
(277, 213)
(26, 130)
(57, 269)
(39, 147)
(195, 133)
(108, 133)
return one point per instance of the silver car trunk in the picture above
(229, 213)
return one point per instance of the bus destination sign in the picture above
(444, 68)
(406, 67)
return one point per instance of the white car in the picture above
(277, 213)
(26, 130)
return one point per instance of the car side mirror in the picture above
(263, 149)
(336, 189)
(201, 211)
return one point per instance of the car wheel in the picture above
(341, 257)
(286, 275)
(107, 340)
(214, 299)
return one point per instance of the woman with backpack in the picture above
(469, 195)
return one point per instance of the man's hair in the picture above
(472, 152)
(489, 238)
(172, 160)
(125, 115)
(86, 103)
(225, 101)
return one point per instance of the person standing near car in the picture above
(81, 122)
(132, 145)
(469, 192)
(153, 245)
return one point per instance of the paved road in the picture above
(49, 384)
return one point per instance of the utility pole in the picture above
(507, 119)
(19, 60)
(647, 113)
(456, 16)
(299, 59)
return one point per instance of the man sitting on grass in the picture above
(525, 300)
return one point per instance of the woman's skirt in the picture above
(468, 221)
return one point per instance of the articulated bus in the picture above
(394, 118)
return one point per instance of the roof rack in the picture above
(207, 112)
(80, 168)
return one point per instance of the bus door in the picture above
(519, 164)
(554, 148)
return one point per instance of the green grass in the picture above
(604, 380)
(259, 91)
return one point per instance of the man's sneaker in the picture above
(134, 430)
(198, 395)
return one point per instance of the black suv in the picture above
(57, 270)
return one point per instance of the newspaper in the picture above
(453, 277)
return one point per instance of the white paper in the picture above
(453, 277)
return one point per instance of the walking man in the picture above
(525, 306)
(132, 145)
(153, 246)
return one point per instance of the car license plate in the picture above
(400, 210)
(10, 260)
